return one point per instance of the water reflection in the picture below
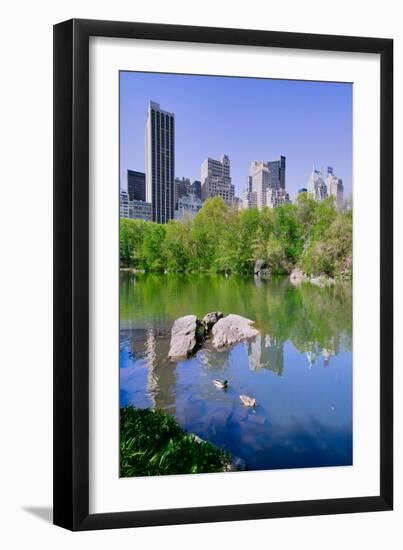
(299, 367)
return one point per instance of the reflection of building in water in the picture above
(151, 356)
(265, 352)
(327, 353)
(313, 354)
(316, 351)
(153, 344)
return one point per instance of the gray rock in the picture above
(260, 265)
(183, 337)
(232, 329)
(210, 319)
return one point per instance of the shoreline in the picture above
(320, 280)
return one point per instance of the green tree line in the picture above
(309, 235)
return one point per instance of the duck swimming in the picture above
(221, 384)
(248, 401)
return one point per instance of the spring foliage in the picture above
(312, 236)
(152, 443)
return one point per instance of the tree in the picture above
(152, 255)
(131, 238)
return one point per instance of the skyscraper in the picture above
(316, 185)
(277, 173)
(160, 162)
(267, 182)
(183, 187)
(196, 189)
(216, 179)
(335, 187)
(136, 185)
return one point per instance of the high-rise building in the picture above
(216, 179)
(316, 185)
(196, 189)
(277, 173)
(276, 196)
(135, 209)
(335, 187)
(259, 175)
(136, 185)
(267, 182)
(140, 210)
(123, 204)
(182, 188)
(160, 162)
(249, 199)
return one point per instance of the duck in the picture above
(221, 384)
(248, 401)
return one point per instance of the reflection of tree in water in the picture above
(265, 352)
(302, 314)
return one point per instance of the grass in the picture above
(152, 443)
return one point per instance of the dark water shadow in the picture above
(45, 513)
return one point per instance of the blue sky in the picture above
(245, 118)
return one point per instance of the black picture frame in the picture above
(71, 274)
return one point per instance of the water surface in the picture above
(299, 368)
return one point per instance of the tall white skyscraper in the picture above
(335, 187)
(268, 182)
(316, 185)
(216, 179)
(160, 162)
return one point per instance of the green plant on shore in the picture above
(313, 236)
(152, 443)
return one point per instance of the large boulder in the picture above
(210, 319)
(183, 337)
(232, 329)
(260, 265)
(262, 269)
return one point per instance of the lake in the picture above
(299, 368)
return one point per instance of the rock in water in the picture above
(232, 329)
(297, 276)
(183, 337)
(259, 266)
(210, 319)
(262, 269)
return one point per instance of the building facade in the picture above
(335, 187)
(183, 187)
(188, 206)
(317, 188)
(275, 197)
(267, 183)
(124, 204)
(216, 179)
(196, 189)
(136, 185)
(277, 173)
(140, 210)
(135, 209)
(160, 162)
(249, 199)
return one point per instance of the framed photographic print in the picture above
(223, 274)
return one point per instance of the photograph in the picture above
(236, 266)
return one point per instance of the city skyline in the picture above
(314, 118)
